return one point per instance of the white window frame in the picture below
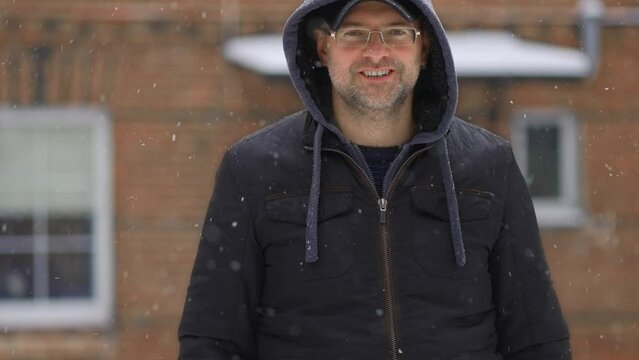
(97, 310)
(564, 210)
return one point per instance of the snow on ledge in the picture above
(477, 54)
(261, 53)
(501, 54)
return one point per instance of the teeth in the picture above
(376, 73)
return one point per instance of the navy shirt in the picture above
(378, 160)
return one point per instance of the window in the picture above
(55, 218)
(545, 144)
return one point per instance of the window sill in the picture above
(47, 314)
(554, 216)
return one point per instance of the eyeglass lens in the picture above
(391, 36)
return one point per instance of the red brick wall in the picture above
(175, 105)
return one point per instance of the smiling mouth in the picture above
(376, 73)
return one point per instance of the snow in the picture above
(260, 53)
(477, 53)
(501, 54)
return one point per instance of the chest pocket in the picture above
(431, 236)
(284, 230)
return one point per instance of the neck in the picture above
(375, 127)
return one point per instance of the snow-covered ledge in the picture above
(477, 54)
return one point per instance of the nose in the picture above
(376, 48)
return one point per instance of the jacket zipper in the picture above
(396, 351)
(382, 202)
(388, 289)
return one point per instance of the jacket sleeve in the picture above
(529, 321)
(219, 317)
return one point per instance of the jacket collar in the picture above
(329, 139)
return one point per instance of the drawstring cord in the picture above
(313, 198)
(312, 211)
(453, 208)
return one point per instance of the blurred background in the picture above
(114, 116)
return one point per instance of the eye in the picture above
(397, 32)
(354, 33)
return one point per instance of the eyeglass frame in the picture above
(333, 34)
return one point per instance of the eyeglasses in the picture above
(390, 35)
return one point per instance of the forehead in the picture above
(373, 13)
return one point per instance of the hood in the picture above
(436, 93)
(434, 102)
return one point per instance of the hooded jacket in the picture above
(301, 258)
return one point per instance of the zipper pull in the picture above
(382, 210)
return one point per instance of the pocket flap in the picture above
(293, 207)
(473, 204)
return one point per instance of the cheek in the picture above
(412, 68)
(335, 73)
(339, 66)
(415, 62)
(412, 58)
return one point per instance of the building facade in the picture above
(114, 116)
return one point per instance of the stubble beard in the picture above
(373, 101)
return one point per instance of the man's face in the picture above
(355, 72)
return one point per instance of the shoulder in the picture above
(282, 135)
(292, 124)
(259, 161)
(469, 140)
(478, 156)
(464, 131)
(271, 156)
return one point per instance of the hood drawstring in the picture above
(313, 198)
(453, 208)
(312, 210)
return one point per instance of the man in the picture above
(374, 224)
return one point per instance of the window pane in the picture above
(17, 161)
(15, 225)
(45, 168)
(69, 224)
(69, 275)
(69, 150)
(543, 160)
(16, 276)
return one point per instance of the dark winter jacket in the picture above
(301, 257)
